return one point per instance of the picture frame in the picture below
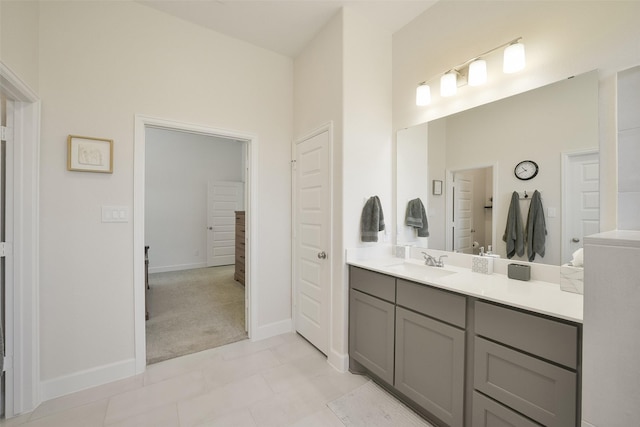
(437, 187)
(89, 154)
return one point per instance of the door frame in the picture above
(566, 159)
(22, 335)
(448, 208)
(251, 302)
(327, 127)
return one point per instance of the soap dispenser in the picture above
(491, 254)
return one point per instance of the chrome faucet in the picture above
(429, 260)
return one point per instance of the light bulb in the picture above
(449, 84)
(514, 59)
(478, 72)
(423, 95)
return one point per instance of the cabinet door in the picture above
(430, 365)
(371, 329)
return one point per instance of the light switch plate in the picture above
(115, 214)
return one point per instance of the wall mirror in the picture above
(474, 153)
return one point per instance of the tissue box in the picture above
(519, 271)
(482, 264)
(572, 279)
(403, 252)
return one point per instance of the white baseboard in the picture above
(177, 267)
(339, 361)
(272, 329)
(82, 380)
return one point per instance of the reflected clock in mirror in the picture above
(526, 170)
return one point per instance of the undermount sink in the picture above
(419, 271)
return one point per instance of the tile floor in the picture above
(281, 381)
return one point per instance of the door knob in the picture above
(322, 255)
(210, 228)
(575, 240)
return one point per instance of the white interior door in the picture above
(582, 204)
(463, 214)
(312, 239)
(7, 285)
(223, 199)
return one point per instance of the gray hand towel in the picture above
(372, 220)
(513, 233)
(416, 217)
(536, 229)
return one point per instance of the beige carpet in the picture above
(193, 310)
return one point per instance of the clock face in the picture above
(526, 169)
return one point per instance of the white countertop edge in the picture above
(534, 295)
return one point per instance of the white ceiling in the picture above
(285, 26)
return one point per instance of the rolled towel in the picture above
(578, 258)
(371, 220)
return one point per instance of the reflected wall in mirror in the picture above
(546, 125)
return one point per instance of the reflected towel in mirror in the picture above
(536, 229)
(416, 217)
(514, 233)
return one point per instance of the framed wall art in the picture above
(437, 187)
(88, 154)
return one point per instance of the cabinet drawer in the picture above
(537, 335)
(543, 392)
(488, 413)
(433, 302)
(371, 334)
(372, 283)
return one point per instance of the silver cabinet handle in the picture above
(322, 255)
(575, 240)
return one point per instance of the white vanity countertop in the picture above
(536, 296)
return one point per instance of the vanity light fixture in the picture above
(423, 94)
(449, 83)
(514, 59)
(478, 72)
(473, 71)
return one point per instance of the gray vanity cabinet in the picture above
(371, 322)
(527, 364)
(445, 353)
(430, 349)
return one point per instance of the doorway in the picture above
(247, 142)
(470, 210)
(580, 199)
(194, 188)
(21, 111)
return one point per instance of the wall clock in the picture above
(526, 169)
